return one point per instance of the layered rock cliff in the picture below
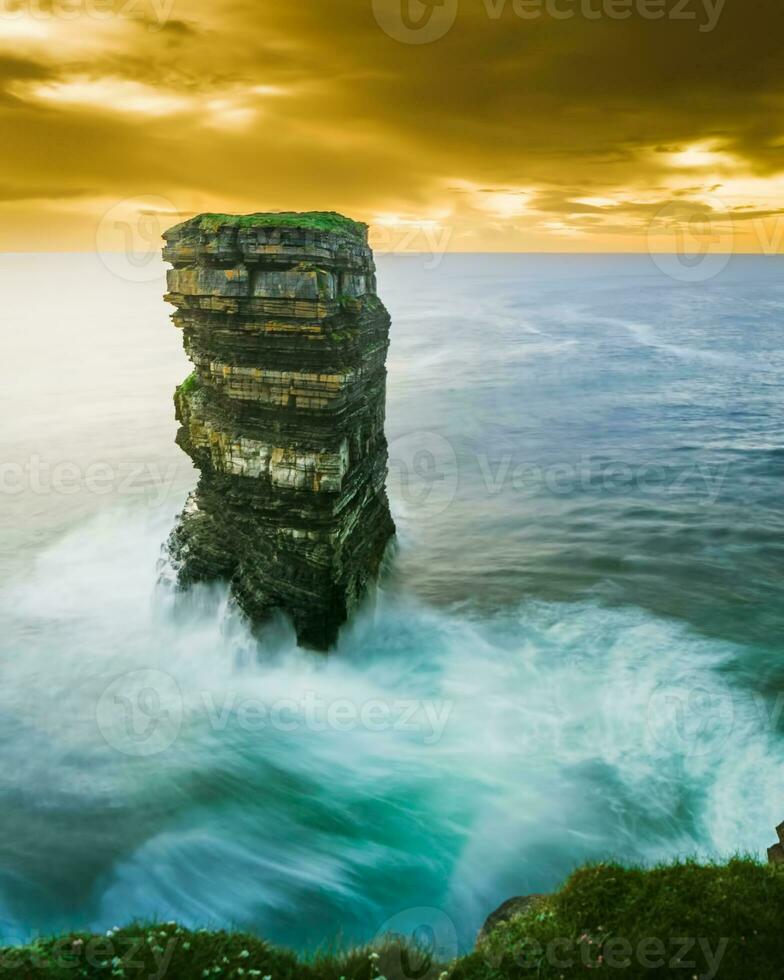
(284, 413)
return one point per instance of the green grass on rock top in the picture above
(329, 221)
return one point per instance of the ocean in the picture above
(574, 653)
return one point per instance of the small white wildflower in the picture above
(244, 954)
(373, 956)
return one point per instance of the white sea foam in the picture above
(573, 732)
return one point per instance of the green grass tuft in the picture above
(682, 920)
(171, 952)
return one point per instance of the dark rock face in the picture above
(506, 912)
(776, 853)
(284, 413)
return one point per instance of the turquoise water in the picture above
(575, 652)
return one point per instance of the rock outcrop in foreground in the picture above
(284, 413)
(776, 853)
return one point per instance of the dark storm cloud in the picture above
(491, 128)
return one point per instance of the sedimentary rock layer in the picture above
(284, 413)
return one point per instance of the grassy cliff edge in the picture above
(682, 920)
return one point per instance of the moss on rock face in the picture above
(189, 384)
(328, 221)
(680, 920)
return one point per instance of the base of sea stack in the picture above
(283, 415)
(317, 577)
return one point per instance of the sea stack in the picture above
(283, 414)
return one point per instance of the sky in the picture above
(465, 125)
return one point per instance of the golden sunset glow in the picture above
(590, 133)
